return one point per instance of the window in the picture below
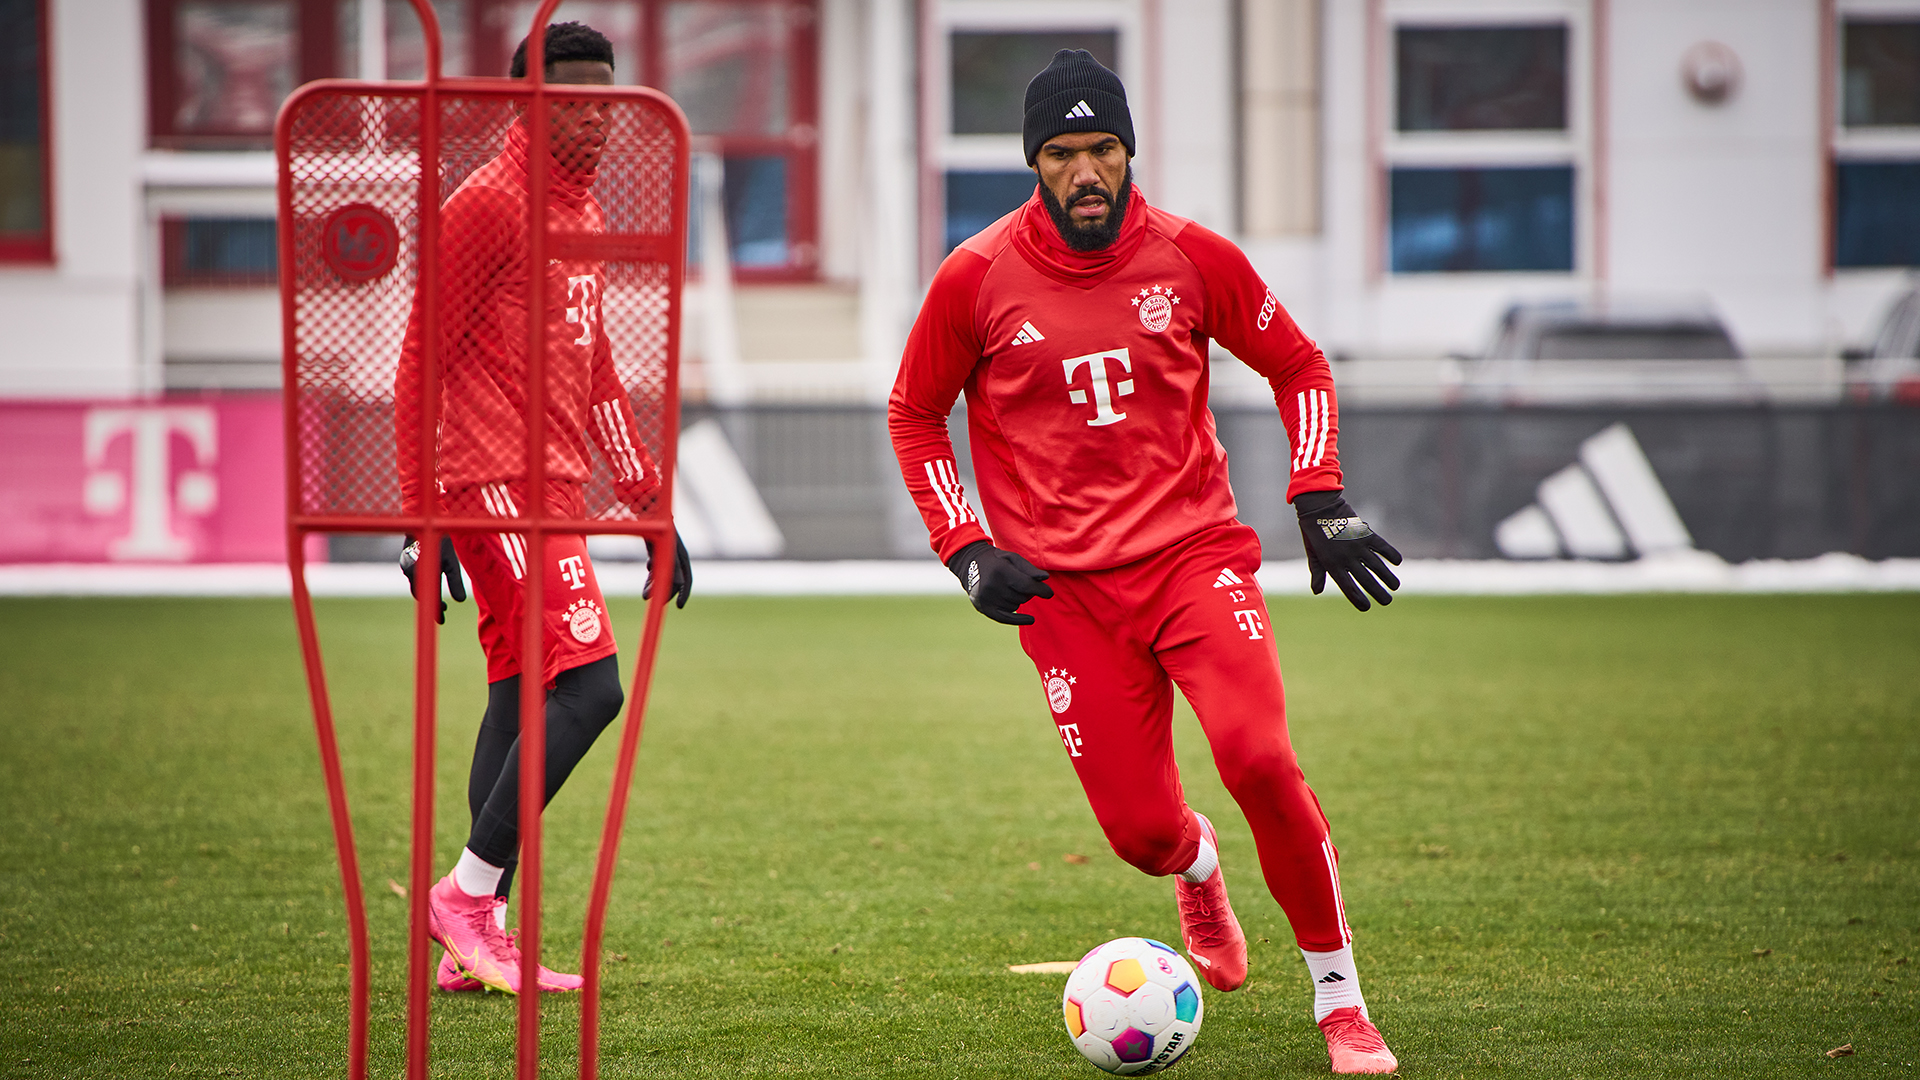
(219, 69)
(203, 251)
(1877, 210)
(976, 200)
(1880, 85)
(26, 230)
(1481, 156)
(1482, 219)
(744, 72)
(1876, 171)
(991, 71)
(986, 175)
(1498, 78)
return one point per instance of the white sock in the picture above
(475, 876)
(1204, 864)
(1336, 982)
(500, 915)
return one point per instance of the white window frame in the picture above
(942, 151)
(1491, 149)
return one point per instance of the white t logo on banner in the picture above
(148, 490)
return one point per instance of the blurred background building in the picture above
(1478, 207)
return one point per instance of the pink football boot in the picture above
(450, 978)
(464, 926)
(1355, 1044)
(551, 982)
(1207, 926)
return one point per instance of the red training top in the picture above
(1086, 383)
(483, 350)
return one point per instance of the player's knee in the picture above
(1269, 773)
(1149, 848)
(593, 691)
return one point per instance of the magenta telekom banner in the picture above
(169, 481)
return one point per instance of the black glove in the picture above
(998, 582)
(1341, 546)
(682, 572)
(449, 569)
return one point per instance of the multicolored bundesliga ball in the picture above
(1133, 1006)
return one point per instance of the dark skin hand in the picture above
(1083, 169)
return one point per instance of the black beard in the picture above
(1090, 237)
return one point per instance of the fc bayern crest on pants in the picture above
(583, 622)
(1059, 689)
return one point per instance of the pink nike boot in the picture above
(551, 982)
(1355, 1045)
(1207, 926)
(450, 978)
(464, 926)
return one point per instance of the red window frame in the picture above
(16, 248)
(317, 29)
(490, 52)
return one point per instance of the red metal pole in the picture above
(427, 572)
(350, 890)
(597, 900)
(533, 705)
(617, 815)
(351, 894)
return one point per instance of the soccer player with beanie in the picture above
(1078, 327)
(482, 473)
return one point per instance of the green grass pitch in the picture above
(1628, 836)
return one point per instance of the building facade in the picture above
(1400, 170)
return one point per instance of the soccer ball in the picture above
(1132, 1006)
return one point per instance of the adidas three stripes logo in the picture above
(1079, 111)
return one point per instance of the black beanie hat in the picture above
(1075, 93)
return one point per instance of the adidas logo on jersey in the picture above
(1028, 335)
(1079, 111)
(1227, 577)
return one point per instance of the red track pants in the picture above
(578, 631)
(1111, 645)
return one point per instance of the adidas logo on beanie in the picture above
(1075, 93)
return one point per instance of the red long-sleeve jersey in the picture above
(483, 344)
(1086, 382)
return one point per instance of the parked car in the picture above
(1580, 352)
(1891, 369)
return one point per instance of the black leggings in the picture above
(583, 701)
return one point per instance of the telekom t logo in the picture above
(1070, 735)
(583, 294)
(148, 491)
(574, 569)
(1104, 392)
(1248, 619)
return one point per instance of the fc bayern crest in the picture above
(360, 242)
(583, 622)
(1059, 689)
(1156, 307)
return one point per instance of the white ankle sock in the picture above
(500, 915)
(1204, 864)
(1336, 982)
(475, 876)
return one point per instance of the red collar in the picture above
(567, 187)
(1038, 240)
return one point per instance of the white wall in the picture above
(1722, 200)
(74, 329)
(1191, 167)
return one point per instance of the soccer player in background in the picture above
(483, 473)
(1078, 327)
